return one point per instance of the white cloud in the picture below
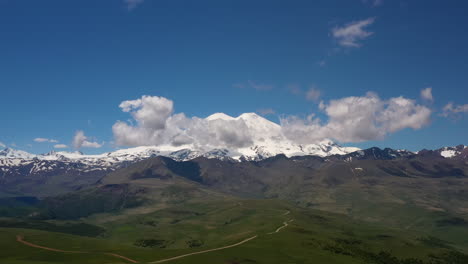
(80, 140)
(157, 125)
(41, 140)
(350, 34)
(350, 119)
(149, 111)
(453, 110)
(426, 94)
(266, 111)
(132, 4)
(312, 94)
(2, 145)
(357, 119)
(60, 146)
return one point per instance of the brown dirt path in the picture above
(205, 251)
(20, 239)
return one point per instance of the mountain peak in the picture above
(250, 116)
(18, 154)
(221, 116)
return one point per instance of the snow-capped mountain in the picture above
(9, 153)
(267, 141)
(450, 152)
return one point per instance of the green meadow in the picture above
(311, 236)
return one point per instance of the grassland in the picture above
(312, 237)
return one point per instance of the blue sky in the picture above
(65, 66)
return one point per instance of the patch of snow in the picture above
(448, 153)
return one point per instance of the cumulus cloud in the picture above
(81, 141)
(60, 146)
(350, 34)
(132, 4)
(149, 111)
(156, 124)
(350, 119)
(453, 110)
(41, 140)
(426, 94)
(357, 119)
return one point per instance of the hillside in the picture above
(369, 206)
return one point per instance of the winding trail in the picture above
(20, 239)
(122, 257)
(205, 251)
(285, 224)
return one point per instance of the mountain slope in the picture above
(374, 174)
(397, 204)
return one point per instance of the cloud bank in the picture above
(60, 146)
(349, 119)
(357, 119)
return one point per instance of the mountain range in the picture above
(24, 173)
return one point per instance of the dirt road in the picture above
(20, 239)
(205, 251)
(285, 224)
